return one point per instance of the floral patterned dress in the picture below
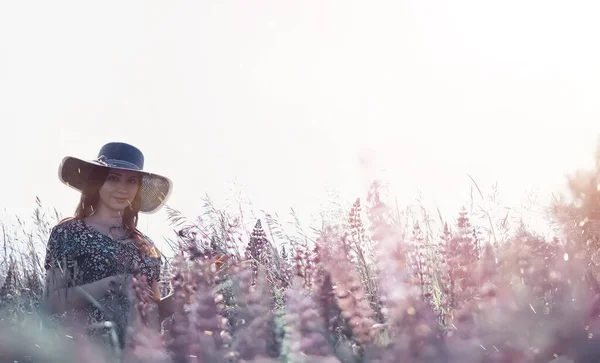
(89, 255)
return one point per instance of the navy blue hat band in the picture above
(117, 163)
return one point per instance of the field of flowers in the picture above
(375, 285)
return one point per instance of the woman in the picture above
(100, 246)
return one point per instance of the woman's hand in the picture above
(117, 282)
(166, 307)
(59, 297)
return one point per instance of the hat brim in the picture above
(154, 191)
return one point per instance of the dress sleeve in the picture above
(156, 268)
(55, 249)
(59, 254)
(154, 262)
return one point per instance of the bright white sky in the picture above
(288, 97)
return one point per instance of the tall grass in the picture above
(374, 284)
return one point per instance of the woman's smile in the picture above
(121, 200)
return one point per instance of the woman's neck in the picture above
(106, 217)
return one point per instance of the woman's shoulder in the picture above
(66, 225)
(69, 231)
(59, 242)
(152, 248)
(145, 238)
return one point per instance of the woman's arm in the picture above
(166, 305)
(58, 297)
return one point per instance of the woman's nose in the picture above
(123, 186)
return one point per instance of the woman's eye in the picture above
(133, 181)
(113, 178)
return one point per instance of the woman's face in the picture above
(119, 189)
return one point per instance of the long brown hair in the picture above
(90, 197)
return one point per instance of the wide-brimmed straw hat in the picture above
(154, 190)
